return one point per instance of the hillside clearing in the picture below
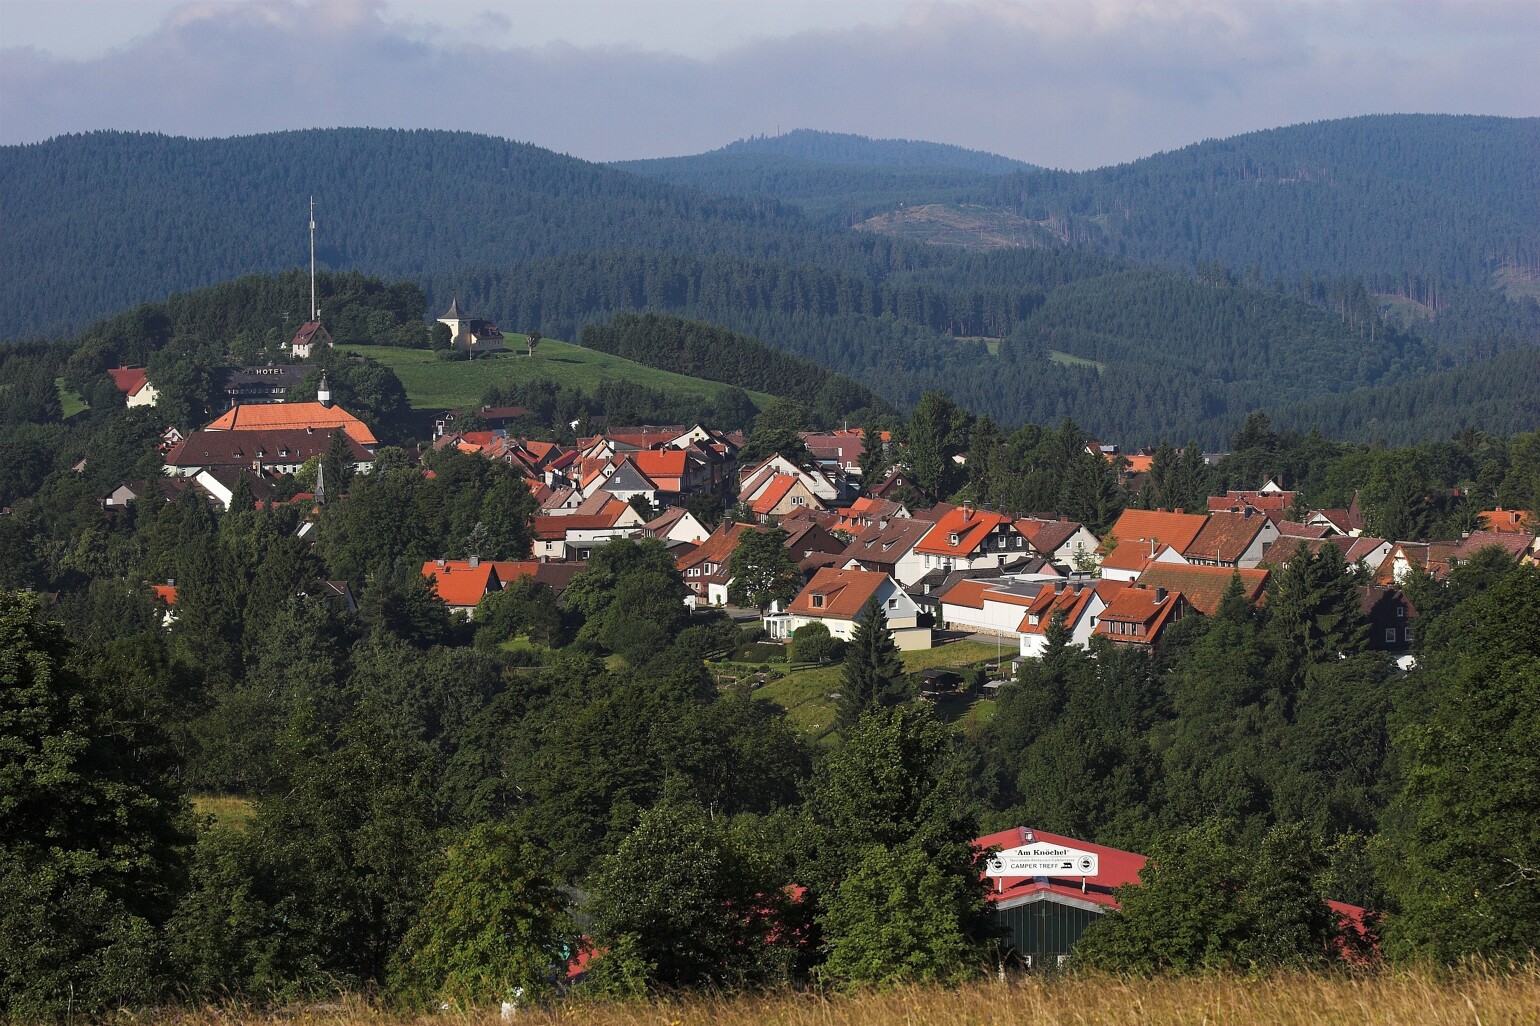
(434, 384)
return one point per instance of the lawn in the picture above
(434, 384)
(228, 811)
(70, 402)
(804, 694)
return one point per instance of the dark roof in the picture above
(241, 448)
(453, 313)
(288, 374)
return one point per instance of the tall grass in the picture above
(1475, 996)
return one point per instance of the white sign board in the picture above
(1042, 859)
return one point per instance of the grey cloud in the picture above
(1067, 84)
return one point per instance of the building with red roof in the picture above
(135, 385)
(965, 538)
(1139, 536)
(462, 584)
(1204, 586)
(1232, 540)
(1137, 616)
(835, 599)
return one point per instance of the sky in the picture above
(1063, 83)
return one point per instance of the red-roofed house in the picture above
(965, 539)
(1232, 540)
(462, 584)
(1137, 616)
(135, 386)
(778, 495)
(1505, 521)
(705, 568)
(1140, 534)
(1066, 542)
(1203, 586)
(310, 337)
(835, 599)
(1079, 602)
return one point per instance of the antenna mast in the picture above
(315, 315)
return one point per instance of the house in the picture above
(555, 576)
(1438, 558)
(135, 385)
(779, 495)
(989, 605)
(882, 547)
(471, 334)
(319, 417)
(1348, 521)
(1139, 536)
(1270, 499)
(676, 525)
(1390, 614)
(1066, 542)
(898, 480)
(274, 451)
(830, 488)
(705, 569)
(310, 337)
(868, 510)
(1080, 602)
(1232, 540)
(335, 595)
(220, 484)
(462, 584)
(268, 384)
(596, 522)
(835, 599)
(1136, 616)
(940, 685)
(1204, 586)
(837, 450)
(1361, 551)
(165, 594)
(965, 539)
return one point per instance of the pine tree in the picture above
(873, 671)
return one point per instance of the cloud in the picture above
(1059, 82)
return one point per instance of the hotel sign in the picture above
(1042, 859)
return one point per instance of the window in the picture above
(1390, 635)
(952, 539)
(1400, 610)
(797, 500)
(817, 601)
(892, 603)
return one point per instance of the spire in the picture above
(453, 313)
(323, 393)
(320, 482)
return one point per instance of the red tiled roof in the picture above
(1071, 602)
(774, 492)
(280, 416)
(165, 592)
(129, 380)
(1507, 521)
(1139, 606)
(1203, 586)
(971, 527)
(843, 593)
(458, 583)
(662, 463)
(1225, 537)
(717, 547)
(967, 592)
(1136, 529)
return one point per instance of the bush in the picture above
(812, 643)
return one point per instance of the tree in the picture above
(875, 459)
(812, 643)
(901, 918)
(1464, 856)
(873, 673)
(440, 337)
(91, 853)
(531, 341)
(495, 927)
(1202, 902)
(936, 432)
(761, 570)
(679, 898)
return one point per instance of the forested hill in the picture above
(1401, 200)
(95, 223)
(1389, 196)
(844, 148)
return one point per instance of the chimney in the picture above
(474, 562)
(1058, 587)
(1160, 595)
(1179, 510)
(440, 563)
(171, 582)
(967, 512)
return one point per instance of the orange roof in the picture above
(971, 527)
(460, 584)
(1507, 521)
(1136, 529)
(657, 463)
(774, 492)
(967, 592)
(1203, 586)
(259, 416)
(1226, 537)
(1139, 464)
(717, 546)
(1139, 606)
(840, 593)
(165, 592)
(1071, 602)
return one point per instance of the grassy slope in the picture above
(431, 383)
(804, 694)
(228, 811)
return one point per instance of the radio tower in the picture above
(315, 313)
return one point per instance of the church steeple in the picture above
(323, 392)
(453, 313)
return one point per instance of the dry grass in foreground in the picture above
(1476, 997)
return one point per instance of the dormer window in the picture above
(952, 539)
(817, 601)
